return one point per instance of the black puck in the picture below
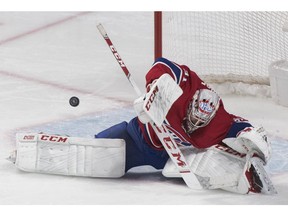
(74, 101)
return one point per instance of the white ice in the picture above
(46, 58)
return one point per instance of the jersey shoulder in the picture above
(178, 72)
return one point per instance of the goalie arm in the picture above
(154, 108)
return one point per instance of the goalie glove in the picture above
(138, 107)
(251, 139)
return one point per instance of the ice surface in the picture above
(47, 57)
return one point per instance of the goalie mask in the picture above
(201, 110)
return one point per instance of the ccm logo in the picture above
(117, 56)
(229, 150)
(177, 155)
(52, 138)
(28, 137)
(151, 98)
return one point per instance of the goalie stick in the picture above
(118, 58)
(162, 132)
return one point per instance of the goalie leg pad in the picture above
(73, 156)
(223, 167)
(214, 167)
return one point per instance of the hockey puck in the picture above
(74, 101)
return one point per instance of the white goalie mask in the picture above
(201, 110)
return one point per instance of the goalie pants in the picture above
(139, 152)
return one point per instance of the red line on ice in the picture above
(59, 86)
(39, 81)
(16, 37)
(44, 82)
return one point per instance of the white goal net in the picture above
(226, 46)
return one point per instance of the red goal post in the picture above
(157, 34)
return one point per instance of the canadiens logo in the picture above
(205, 107)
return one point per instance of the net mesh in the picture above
(226, 46)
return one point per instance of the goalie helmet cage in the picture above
(223, 46)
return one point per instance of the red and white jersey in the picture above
(203, 137)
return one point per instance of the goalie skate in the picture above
(258, 178)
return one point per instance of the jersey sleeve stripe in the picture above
(150, 137)
(175, 133)
(175, 69)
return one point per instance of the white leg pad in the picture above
(73, 156)
(214, 167)
(223, 167)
